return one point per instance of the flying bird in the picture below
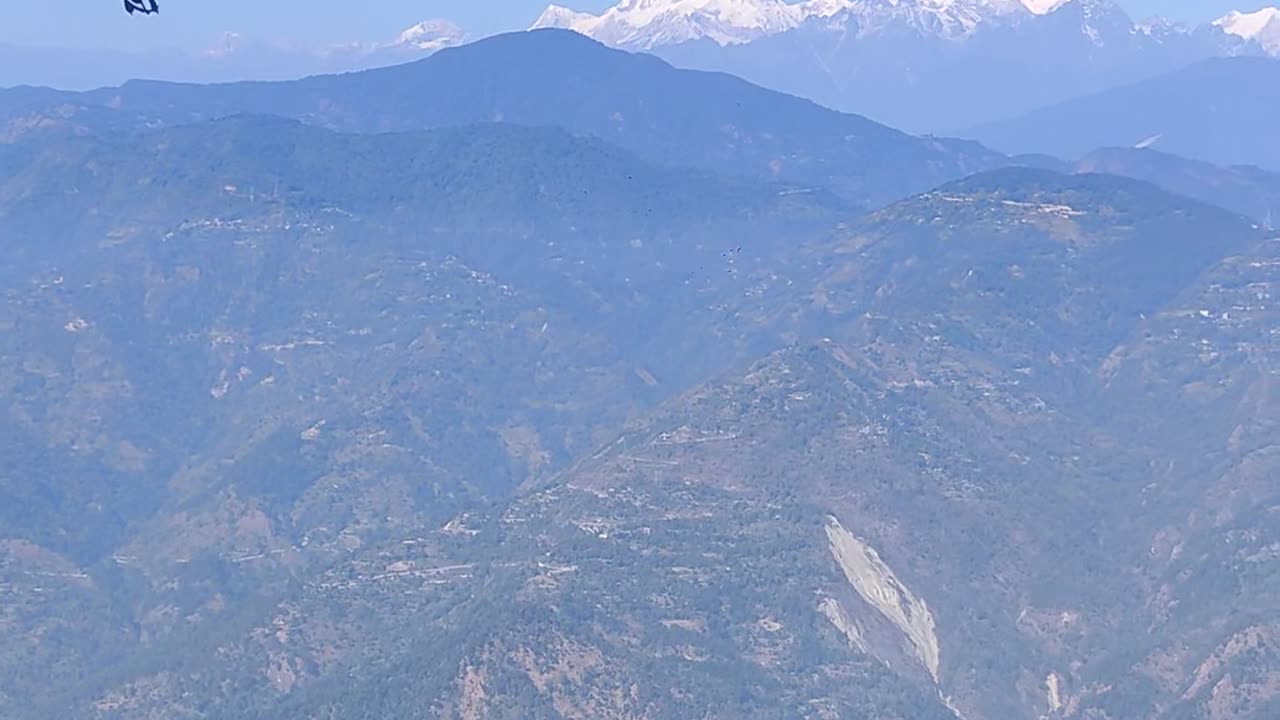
(146, 7)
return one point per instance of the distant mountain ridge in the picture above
(1220, 110)
(920, 65)
(552, 78)
(1248, 190)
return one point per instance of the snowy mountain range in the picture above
(647, 24)
(651, 24)
(922, 65)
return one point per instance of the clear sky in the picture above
(194, 23)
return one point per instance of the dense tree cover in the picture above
(499, 420)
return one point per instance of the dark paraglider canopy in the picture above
(146, 7)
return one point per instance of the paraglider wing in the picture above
(146, 7)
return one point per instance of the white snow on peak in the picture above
(413, 42)
(431, 35)
(646, 24)
(1262, 26)
(1043, 7)
(1247, 25)
(556, 16)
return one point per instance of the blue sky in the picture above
(194, 23)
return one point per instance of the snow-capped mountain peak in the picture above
(431, 35)
(646, 24)
(650, 24)
(1262, 26)
(556, 16)
(1248, 25)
